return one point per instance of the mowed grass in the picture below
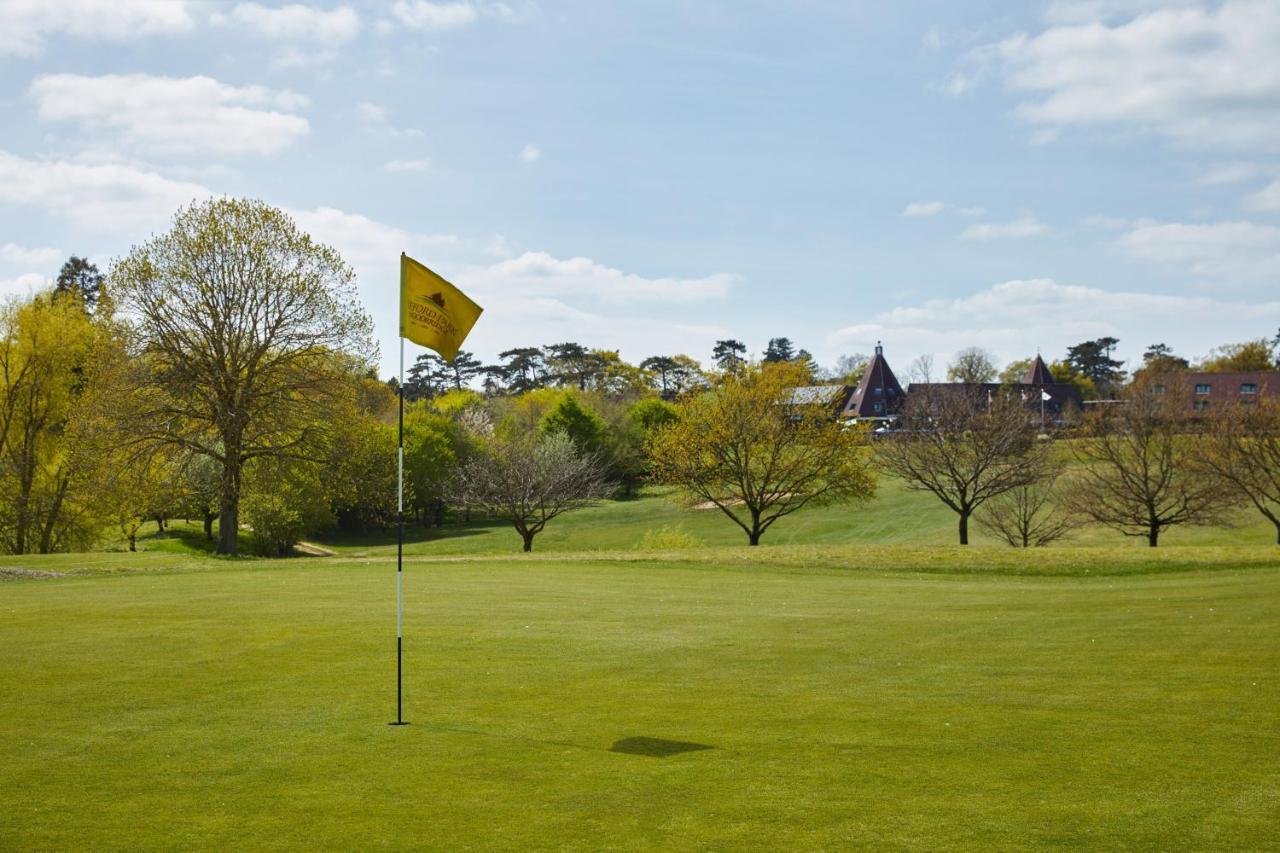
(845, 701)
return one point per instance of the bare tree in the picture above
(238, 315)
(921, 369)
(1137, 471)
(1242, 451)
(1029, 516)
(964, 449)
(529, 481)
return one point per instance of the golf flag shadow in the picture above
(656, 747)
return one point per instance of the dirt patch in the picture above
(712, 504)
(8, 573)
(307, 549)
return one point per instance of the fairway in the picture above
(245, 706)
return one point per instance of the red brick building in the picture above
(1208, 392)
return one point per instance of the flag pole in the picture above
(400, 548)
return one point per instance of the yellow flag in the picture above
(433, 313)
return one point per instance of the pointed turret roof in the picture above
(878, 393)
(1038, 373)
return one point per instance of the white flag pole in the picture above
(400, 550)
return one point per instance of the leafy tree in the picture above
(80, 279)
(972, 365)
(617, 377)
(752, 451)
(1137, 471)
(1239, 358)
(360, 476)
(49, 455)
(529, 481)
(652, 413)
(1160, 358)
(525, 369)
(570, 418)
(662, 367)
(1066, 374)
(963, 449)
(729, 355)
(779, 349)
(1093, 359)
(464, 367)
(427, 376)
(241, 317)
(1015, 371)
(284, 500)
(687, 375)
(1242, 452)
(434, 445)
(573, 364)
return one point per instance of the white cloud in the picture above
(1266, 199)
(1228, 250)
(1085, 11)
(530, 153)
(26, 25)
(407, 165)
(294, 23)
(434, 17)
(370, 246)
(1015, 317)
(1023, 226)
(1229, 173)
(24, 285)
(371, 113)
(1199, 75)
(172, 114)
(539, 272)
(923, 208)
(108, 197)
(21, 256)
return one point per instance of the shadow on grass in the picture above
(656, 747)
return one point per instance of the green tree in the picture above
(80, 279)
(525, 369)
(1240, 358)
(1015, 371)
(973, 366)
(240, 316)
(729, 355)
(1093, 360)
(779, 349)
(752, 451)
(569, 417)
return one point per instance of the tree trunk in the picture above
(753, 538)
(208, 524)
(1153, 536)
(229, 508)
(527, 535)
(964, 528)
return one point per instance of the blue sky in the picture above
(654, 176)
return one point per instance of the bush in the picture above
(668, 538)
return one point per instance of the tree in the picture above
(1028, 516)
(570, 418)
(525, 369)
(573, 364)
(757, 454)
(779, 349)
(463, 369)
(427, 377)
(1137, 473)
(528, 481)
(921, 369)
(1239, 358)
(973, 366)
(729, 355)
(849, 368)
(1160, 358)
(80, 279)
(686, 375)
(662, 367)
(1093, 360)
(963, 449)
(50, 351)
(1067, 375)
(1242, 451)
(1015, 371)
(240, 320)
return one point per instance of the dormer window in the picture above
(879, 392)
(1248, 388)
(1203, 388)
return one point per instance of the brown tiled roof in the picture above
(1038, 373)
(878, 393)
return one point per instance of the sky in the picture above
(654, 176)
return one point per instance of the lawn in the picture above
(841, 696)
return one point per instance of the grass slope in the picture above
(244, 705)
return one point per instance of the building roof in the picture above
(832, 395)
(878, 393)
(1038, 373)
